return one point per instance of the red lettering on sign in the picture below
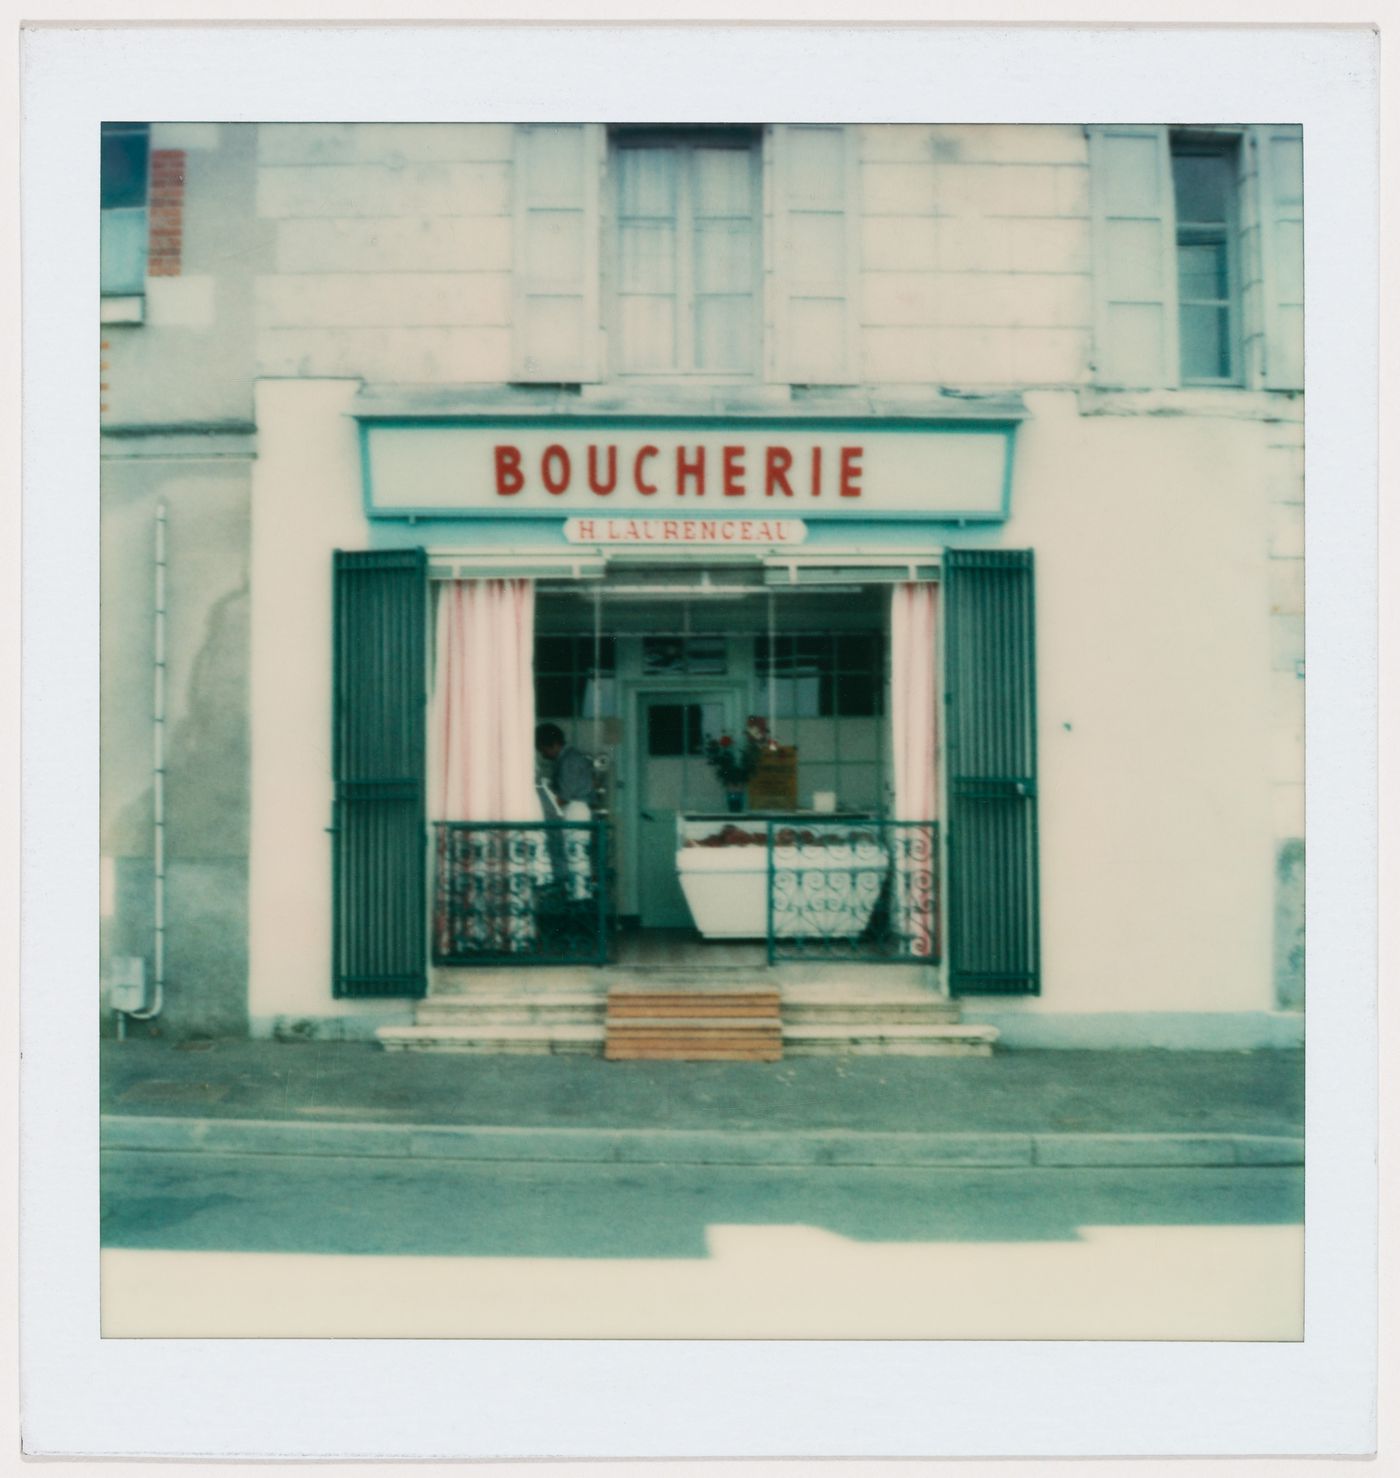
(733, 472)
(851, 470)
(671, 529)
(816, 472)
(694, 470)
(509, 478)
(585, 530)
(555, 457)
(775, 471)
(645, 455)
(593, 471)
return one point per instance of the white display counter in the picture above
(828, 873)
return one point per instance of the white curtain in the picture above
(483, 721)
(483, 769)
(913, 719)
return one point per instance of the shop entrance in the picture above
(674, 777)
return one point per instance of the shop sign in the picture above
(730, 531)
(783, 468)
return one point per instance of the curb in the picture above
(697, 1146)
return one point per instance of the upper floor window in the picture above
(1198, 255)
(686, 254)
(686, 265)
(1205, 188)
(125, 180)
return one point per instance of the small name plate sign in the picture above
(725, 531)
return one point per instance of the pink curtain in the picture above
(484, 702)
(913, 720)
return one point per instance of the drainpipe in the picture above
(157, 786)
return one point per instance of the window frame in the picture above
(686, 141)
(136, 287)
(1229, 146)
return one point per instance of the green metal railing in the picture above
(854, 890)
(520, 893)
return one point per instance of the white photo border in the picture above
(83, 1395)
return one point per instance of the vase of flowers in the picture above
(735, 761)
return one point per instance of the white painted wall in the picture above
(306, 502)
(1153, 631)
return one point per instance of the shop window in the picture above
(1205, 190)
(828, 698)
(570, 677)
(684, 656)
(125, 179)
(676, 729)
(686, 266)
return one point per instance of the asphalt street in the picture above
(323, 1204)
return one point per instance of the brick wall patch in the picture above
(167, 209)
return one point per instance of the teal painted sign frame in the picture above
(1004, 428)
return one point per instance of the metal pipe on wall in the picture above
(158, 668)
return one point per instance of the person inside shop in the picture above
(570, 773)
(567, 795)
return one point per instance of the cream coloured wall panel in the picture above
(998, 143)
(899, 189)
(897, 355)
(449, 189)
(393, 356)
(997, 189)
(1051, 356)
(385, 300)
(977, 298)
(352, 143)
(403, 244)
(895, 143)
(899, 243)
(973, 244)
(1056, 244)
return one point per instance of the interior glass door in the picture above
(673, 728)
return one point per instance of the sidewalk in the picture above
(1020, 1109)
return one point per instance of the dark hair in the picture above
(548, 735)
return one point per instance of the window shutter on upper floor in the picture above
(813, 200)
(557, 323)
(1281, 240)
(1136, 331)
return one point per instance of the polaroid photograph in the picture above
(688, 722)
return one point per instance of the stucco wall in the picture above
(206, 729)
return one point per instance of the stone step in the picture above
(577, 1007)
(700, 1003)
(509, 1039)
(453, 984)
(931, 1040)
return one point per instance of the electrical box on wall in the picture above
(128, 987)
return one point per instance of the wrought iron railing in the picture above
(520, 893)
(854, 890)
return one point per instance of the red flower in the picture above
(725, 741)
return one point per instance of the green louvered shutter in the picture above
(380, 918)
(993, 886)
